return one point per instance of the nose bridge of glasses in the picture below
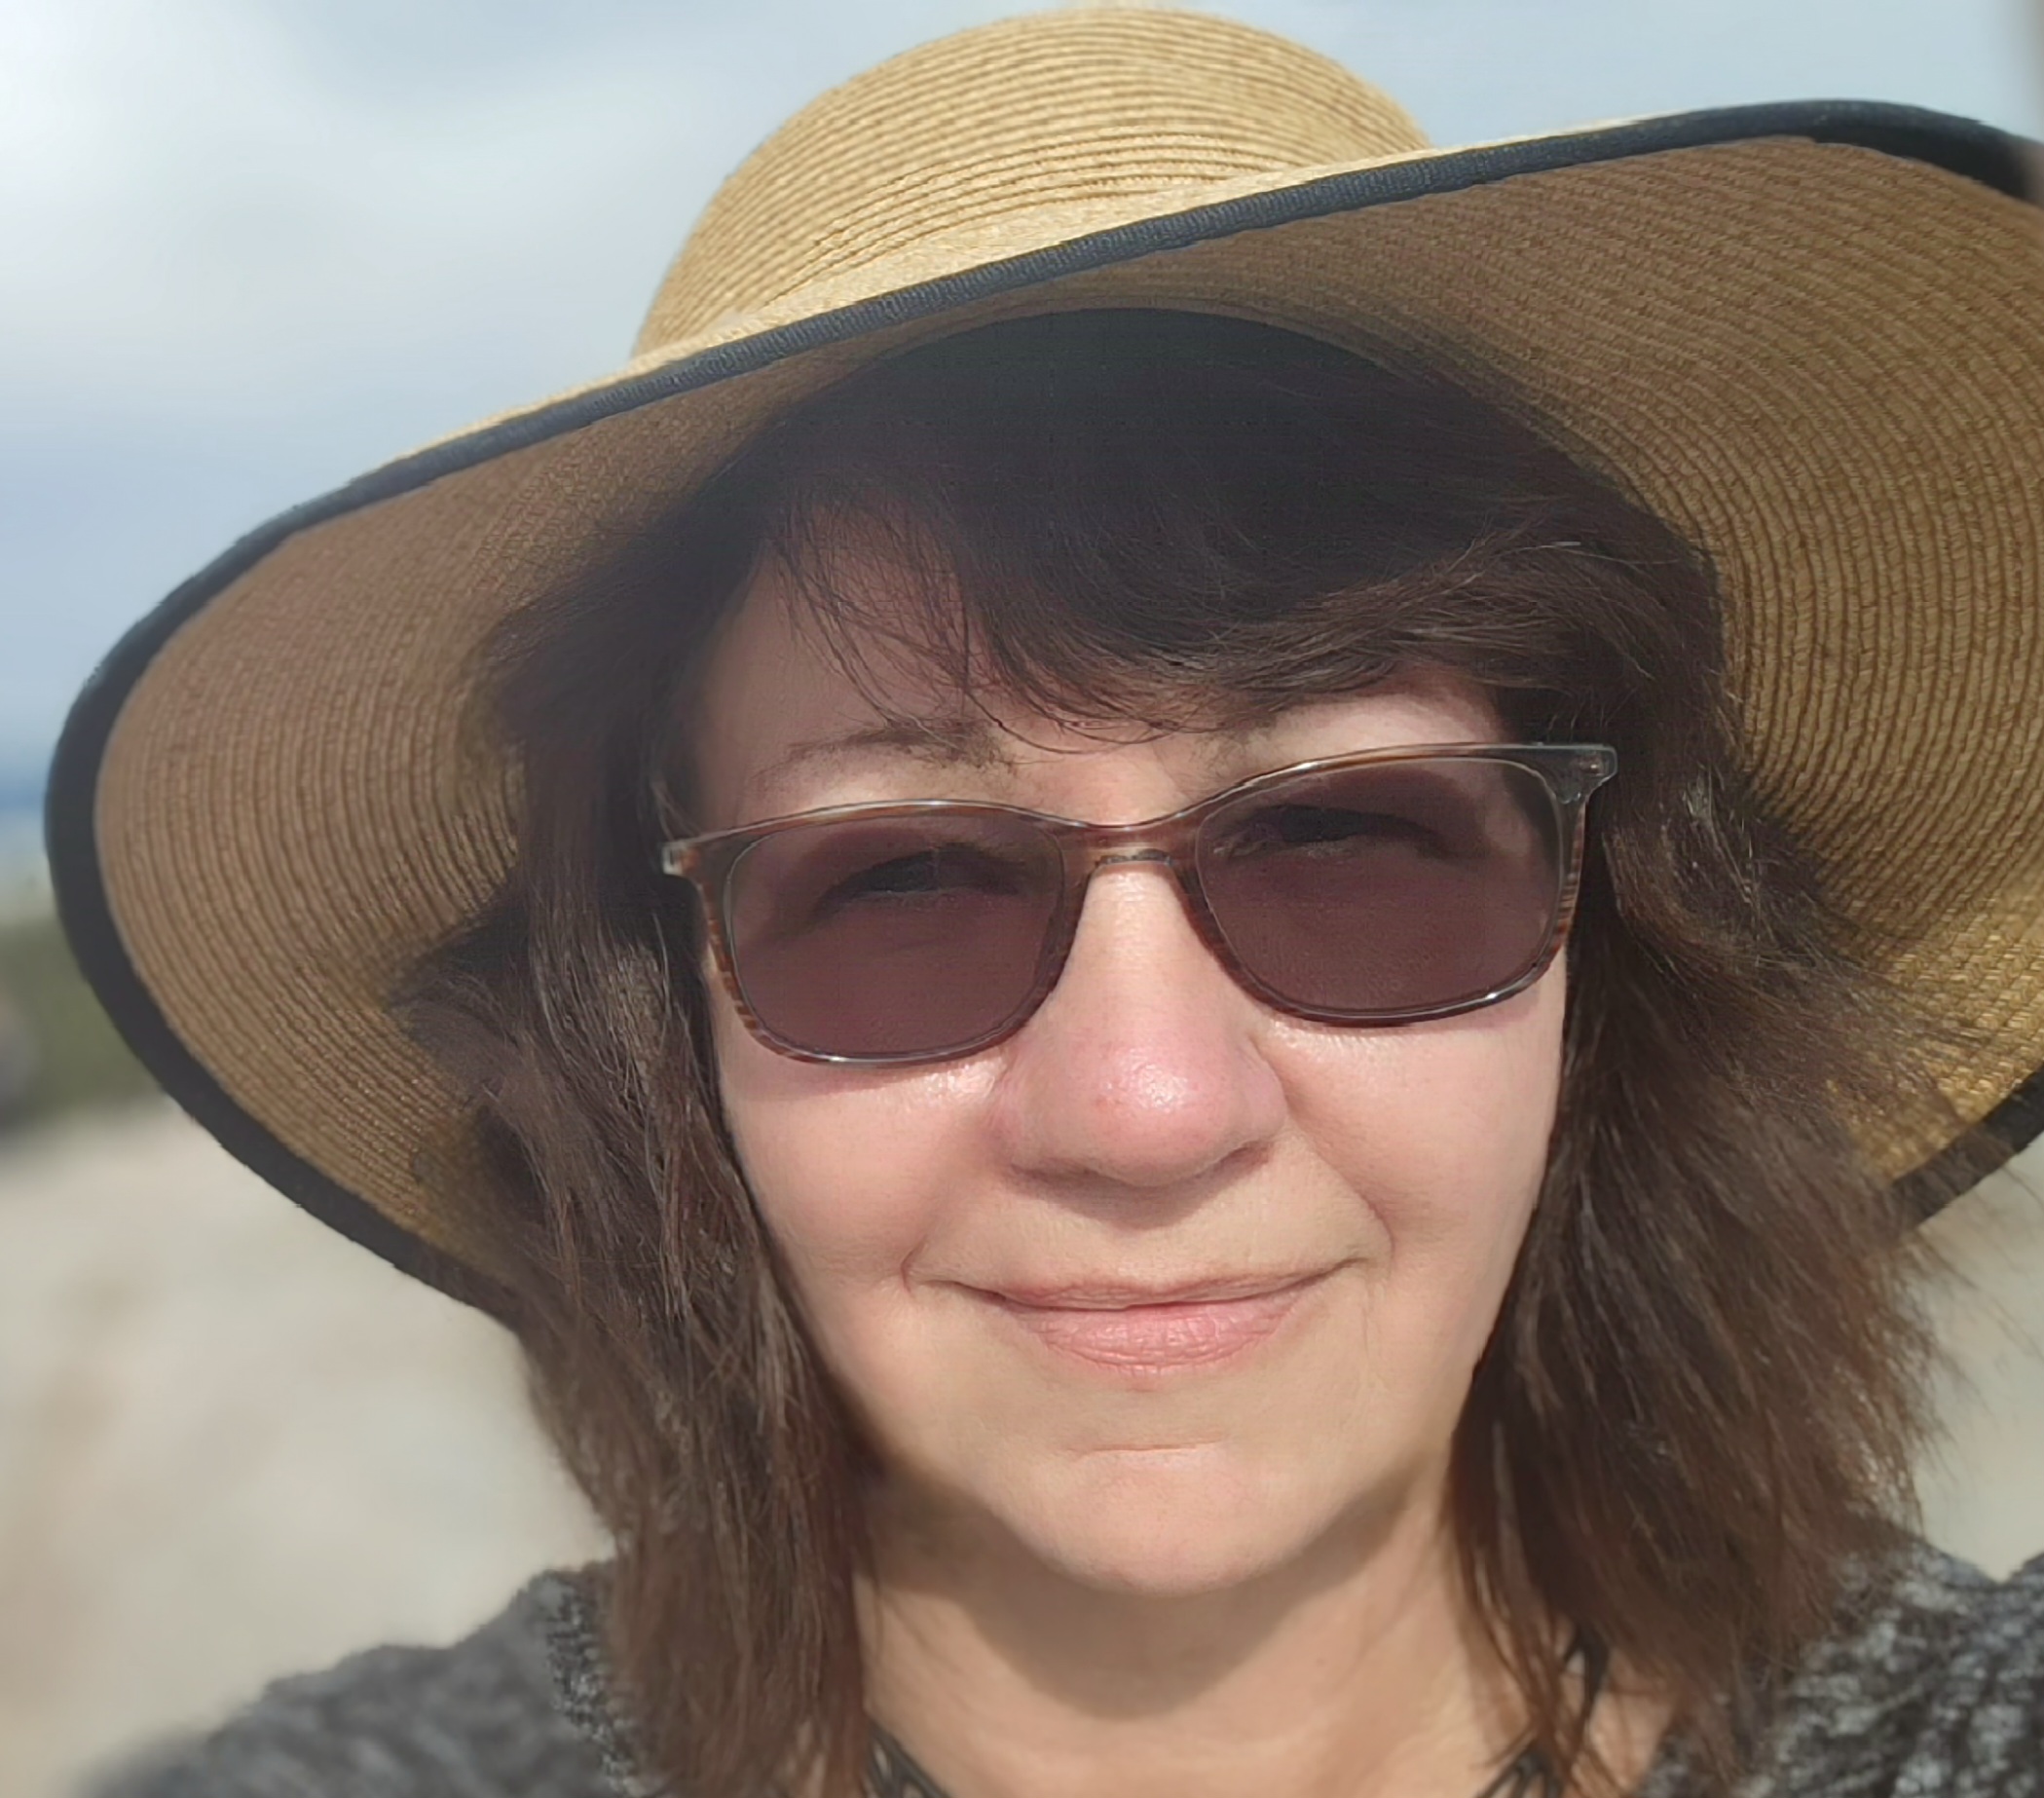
(1165, 845)
(1155, 842)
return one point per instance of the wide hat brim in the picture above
(1809, 336)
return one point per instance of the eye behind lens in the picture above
(892, 938)
(1387, 891)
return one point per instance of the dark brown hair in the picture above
(1701, 1401)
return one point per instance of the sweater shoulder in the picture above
(477, 1720)
(1931, 1683)
(1942, 1673)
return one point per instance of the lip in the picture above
(1136, 1329)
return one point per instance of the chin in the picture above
(1169, 1523)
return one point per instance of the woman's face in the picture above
(1168, 1285)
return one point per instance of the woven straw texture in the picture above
(1823, 364)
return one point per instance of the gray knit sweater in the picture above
(1935, 1690)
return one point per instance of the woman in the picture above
(1185, 922)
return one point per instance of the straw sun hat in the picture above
(1808, 336)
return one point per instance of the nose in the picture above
(1145, 1068)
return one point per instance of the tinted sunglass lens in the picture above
(1392, 888)
(903, 936)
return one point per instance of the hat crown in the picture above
(994, 130)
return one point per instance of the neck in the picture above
(1355, 1669)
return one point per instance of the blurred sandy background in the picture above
(231, 1444)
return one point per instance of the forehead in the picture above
(785, 715)
(776, 688)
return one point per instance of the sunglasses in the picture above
(1376, 888)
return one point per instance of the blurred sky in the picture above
(249, 248)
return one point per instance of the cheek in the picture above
(849, 1167)
(1444, 1130)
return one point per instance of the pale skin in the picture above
(1118, 1572)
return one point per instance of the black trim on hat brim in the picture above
(2011, 1127)
(1980, 153)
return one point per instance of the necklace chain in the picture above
(893, 1771)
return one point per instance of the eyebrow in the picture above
(956, 741)
(949, 740)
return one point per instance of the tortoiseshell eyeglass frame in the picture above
(1571, 772)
